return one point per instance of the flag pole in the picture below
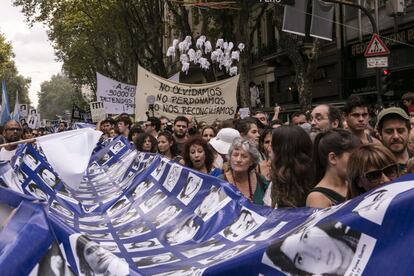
(32, 140)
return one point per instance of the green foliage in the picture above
(57, 96)
(9, 73)
(111, 37)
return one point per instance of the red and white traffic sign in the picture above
(376, 47)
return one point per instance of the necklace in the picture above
(250, 185)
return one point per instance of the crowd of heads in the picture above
(347, 151)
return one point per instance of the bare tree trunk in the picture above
(242, 35)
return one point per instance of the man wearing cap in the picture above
(221, 145)
(394, 128)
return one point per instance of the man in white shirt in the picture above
(12, 133)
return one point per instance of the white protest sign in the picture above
(244, 112)
(23, 110)
(117, 97)
(206, 102)
(97, 111)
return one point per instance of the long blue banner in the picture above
(141, 214)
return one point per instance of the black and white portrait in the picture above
(110, 246)
(118, 206)
(30, 161)
(142, 188)
(93, 259)
(152, 202)
(374, 205)
(23, 110)
(122, 219)
(93, 227)
(182, 233)
(60, 209)
(191, 187)
(94, 168)
(266, 234)
(100, 236)
(150, 261)
(33, 189)
(227, 254)
(48, 177)
(143, 245)
(243, 225)
(117, 147)
(172, 177)
(167, 215)
(133, 230)
(159, 171)
(97, 219)
(53, 263)
(206, 247)
(326, 249)
(215, 200)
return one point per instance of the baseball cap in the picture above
(392, 110)
(223, 140)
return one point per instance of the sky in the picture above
(34, 55)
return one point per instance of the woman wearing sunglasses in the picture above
(370, 166)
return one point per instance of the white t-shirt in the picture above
(6, 155)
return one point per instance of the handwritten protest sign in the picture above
(206, 102)
(97, 111)
(117, 97)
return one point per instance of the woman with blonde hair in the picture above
(370, 166)
(243, 159)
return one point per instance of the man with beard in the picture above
(357, 117)
(180, 131)
(394, 128)
(324, 117)
(12, 133)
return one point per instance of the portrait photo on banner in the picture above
(331, 248)
(93, 259)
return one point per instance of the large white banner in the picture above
(206, 102)
(116, 96)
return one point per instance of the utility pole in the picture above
(375, 31)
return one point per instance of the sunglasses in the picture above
(13, 129)
(391, 171)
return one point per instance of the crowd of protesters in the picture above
(317, 159)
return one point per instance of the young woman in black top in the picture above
(331, 153)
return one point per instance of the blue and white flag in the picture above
(16, 111)
(141, 214)
(5, 110)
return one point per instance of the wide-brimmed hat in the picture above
(223, 140)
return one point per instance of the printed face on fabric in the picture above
(243, 225)
(183, 233)
(321, 250)
(93, 259)
(48, 177)
(36, 191)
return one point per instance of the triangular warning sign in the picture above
(376, 47)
